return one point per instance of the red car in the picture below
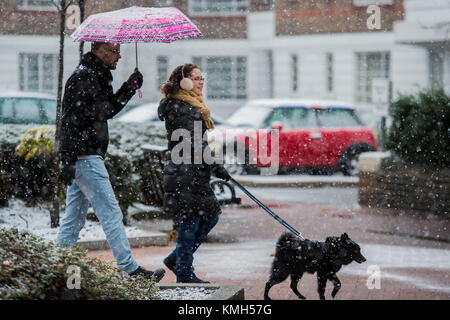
(313, 135)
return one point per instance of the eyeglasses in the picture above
(198, 79)
(116, 51)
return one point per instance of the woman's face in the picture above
(197, 78)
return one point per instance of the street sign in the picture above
(380, 94)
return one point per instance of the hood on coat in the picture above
(162, 109)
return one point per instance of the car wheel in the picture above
(348, 163)
(234, 164)
(238, 164)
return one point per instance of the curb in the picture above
(154, 239)
(297, 181)
(221, 293)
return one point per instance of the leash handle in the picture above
(273, 214)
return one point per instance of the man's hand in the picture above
(220, 172)
(67, 174)
(136, 79)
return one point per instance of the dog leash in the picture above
(273, 214)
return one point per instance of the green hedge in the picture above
(420, 131)
(32, 268)
(31, 180)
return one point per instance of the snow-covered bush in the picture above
(420, 131)
(37, 141)
(31, 180)
(32, 268)
(26, 179)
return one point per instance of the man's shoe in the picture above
(156, 275)
(193, 279)
(170, 264)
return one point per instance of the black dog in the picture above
(294, 256)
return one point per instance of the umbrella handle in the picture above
(136, 55)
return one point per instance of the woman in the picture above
(187, 194)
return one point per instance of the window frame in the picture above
(364, 76)
(25, 5)
(204, 6)
(24, 72)
(238, 92)
(162, 74)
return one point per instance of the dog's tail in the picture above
(286, 242)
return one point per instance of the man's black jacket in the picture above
(89, 101)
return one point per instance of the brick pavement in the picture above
(403, 245)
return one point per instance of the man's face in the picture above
(110, 55)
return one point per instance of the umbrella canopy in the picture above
(137, 24)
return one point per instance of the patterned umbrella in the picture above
(137, 24)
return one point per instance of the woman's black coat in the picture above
(186, 185)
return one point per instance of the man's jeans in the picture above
(92, 185)
(191, 233)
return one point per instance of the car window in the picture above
(48, 107)
(303, 118)
(27, 110)
(249, 116)
(281, 115)
(6, 110)
(335, 118)
(293, 118)
(142, 113)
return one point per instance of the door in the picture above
(297, 136)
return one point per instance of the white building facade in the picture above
(341, 66)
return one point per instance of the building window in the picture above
(164, 2)
(437, 59)
(36, 5)
(226, 77)
(218, 6)
(294, 72)
(370, 65)
(38, 72)
(365, 3)
(330, 75)
(162, 66)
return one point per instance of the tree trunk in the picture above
(62, 15)
(81, 4)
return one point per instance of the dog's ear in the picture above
(344, 237)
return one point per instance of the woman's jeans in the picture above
(92, 185)
(191, 233)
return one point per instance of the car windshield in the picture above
(249, 116)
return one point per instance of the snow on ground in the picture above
(185, 293)
(345, 197)
(37, 221)
(247, 260)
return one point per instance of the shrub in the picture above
(32, 268)
(31, 180)
(420, 131)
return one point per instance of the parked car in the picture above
(319, 135)
(148, 112)
(20, 107)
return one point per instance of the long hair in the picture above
(172, 86)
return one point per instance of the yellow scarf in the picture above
(197, 101)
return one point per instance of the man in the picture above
(89, 101)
